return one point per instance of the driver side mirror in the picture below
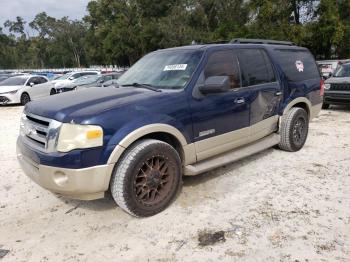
(31, 84)
(215, 84)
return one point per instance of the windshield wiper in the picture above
(147, 86)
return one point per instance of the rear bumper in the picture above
(86, 183)
(337, 97)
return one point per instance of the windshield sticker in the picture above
(300, 66)
(178, 67)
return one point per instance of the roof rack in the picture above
(259, 41)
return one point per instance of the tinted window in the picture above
(298, 65)
(41, 80)
(223, 63)
(88, 73)
(255, 66)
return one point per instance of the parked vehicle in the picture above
(88, 81)
(22, 89)
(327, 67)
(178, 111)
(69, 77)
(337, 88)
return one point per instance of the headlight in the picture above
(74, 136)
(327, 86)
(9, 93)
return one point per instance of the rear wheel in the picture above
(147, 178)
(25, 98)
(53, 92)
(294, 130)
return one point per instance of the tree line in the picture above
(119, 32)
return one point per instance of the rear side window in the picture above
(298, 65)
(255, 66)
(223, 63)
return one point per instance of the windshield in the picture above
(163, 70)
(64, 77)
(343, 71)
(84, 80)
(14, 81)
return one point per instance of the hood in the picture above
(61, 83)
(338, 80)
(7, 89)
(85, 104)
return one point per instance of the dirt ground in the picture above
(273, 206)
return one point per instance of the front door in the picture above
(221, 120)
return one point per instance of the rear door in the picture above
(258, 76)
(221, 120)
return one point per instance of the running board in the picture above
(231, 156)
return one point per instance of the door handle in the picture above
(278, 93)
(240, 100)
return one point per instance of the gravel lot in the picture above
(273, 206)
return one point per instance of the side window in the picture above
(75, 76)
(41, 80)
(223, 63)
(31, 80)
(88, 73)
(298, 65)
(107, 78)
(255, 66)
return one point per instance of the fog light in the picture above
(60, 178)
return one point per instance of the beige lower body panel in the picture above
(315, 110)
(228, 157)
(86, 184)
(219, 144)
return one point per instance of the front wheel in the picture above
(325, 106)
(25, 98)
(53, 92)
(294, 130)
(147, 178)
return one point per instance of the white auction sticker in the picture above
(177, 67)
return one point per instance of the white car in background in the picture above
(22, 89)
(68, 78)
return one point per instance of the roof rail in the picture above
(259, 41)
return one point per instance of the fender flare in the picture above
(297, 101)
(149, 129)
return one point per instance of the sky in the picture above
(9, 9)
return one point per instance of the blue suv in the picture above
(178, 111)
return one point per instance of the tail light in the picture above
(322, 87)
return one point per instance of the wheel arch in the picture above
(162, 132)
(301, 102)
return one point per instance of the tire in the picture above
(25, 98)
(325, 106)
(294, 130)
(53, 92)
(147, 178)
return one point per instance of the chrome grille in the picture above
(39, 132)
(340, 87)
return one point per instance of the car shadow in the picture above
(98, 205)
(340, 108)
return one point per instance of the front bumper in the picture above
(86, 183)
(337, 97)
(6, 99)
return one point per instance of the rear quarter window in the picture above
(298, 65)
